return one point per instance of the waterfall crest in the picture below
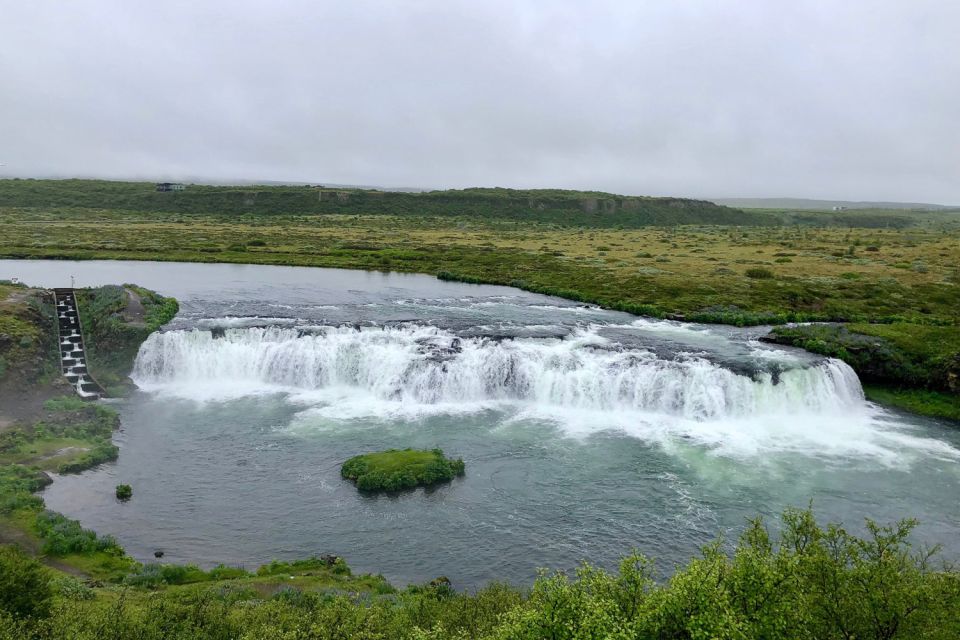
(426, 365)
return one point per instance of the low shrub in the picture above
(278, 567)
(24, 585)
(759, 273)
(66, 586)
(898, 354)
(101, 452)
(805, 581)
(124, 492)
(62, 535)
(17, 484)
(154, 575)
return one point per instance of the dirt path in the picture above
(134, 313)
(12, 535)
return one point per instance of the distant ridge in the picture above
(552, 206)
(806, 203)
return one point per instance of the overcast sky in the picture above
(851, 99)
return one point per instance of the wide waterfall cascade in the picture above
(426, 365)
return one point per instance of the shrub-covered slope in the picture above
(809, 582)
(580, 208)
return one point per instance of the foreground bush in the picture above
(807, 583)
(61, 536)
(24, 585)
(397, 469)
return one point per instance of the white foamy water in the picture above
(426, 365)
(583, 383)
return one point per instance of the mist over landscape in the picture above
(851, 101)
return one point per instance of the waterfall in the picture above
(426, 365)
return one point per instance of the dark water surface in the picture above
(586, 432)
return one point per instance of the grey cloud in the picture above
(854, 100)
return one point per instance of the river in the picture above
(586, 433)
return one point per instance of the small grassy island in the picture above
(398, 469)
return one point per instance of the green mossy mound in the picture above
(398, 469)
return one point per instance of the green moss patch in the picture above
(398, 469)
(926, 403)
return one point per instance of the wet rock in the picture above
(158, 554)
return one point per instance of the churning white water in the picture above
(427, 365)
(584, 383)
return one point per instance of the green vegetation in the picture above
(808, 582)
(52, 534)
(17, 484)
(113, 332)
(759, 273)
(900, 355)
(100, 452)
(24, 585)
(580, 208)
(696, 271)
(69, 436)
(124, 492)
(934, 404)
(398, 469)
(62, 535)
(28, 336)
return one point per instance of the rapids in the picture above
(426, 365)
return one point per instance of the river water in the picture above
(586, 433)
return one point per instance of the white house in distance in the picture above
(170, 186)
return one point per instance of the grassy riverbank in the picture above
(910, 366)
(45, 428)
